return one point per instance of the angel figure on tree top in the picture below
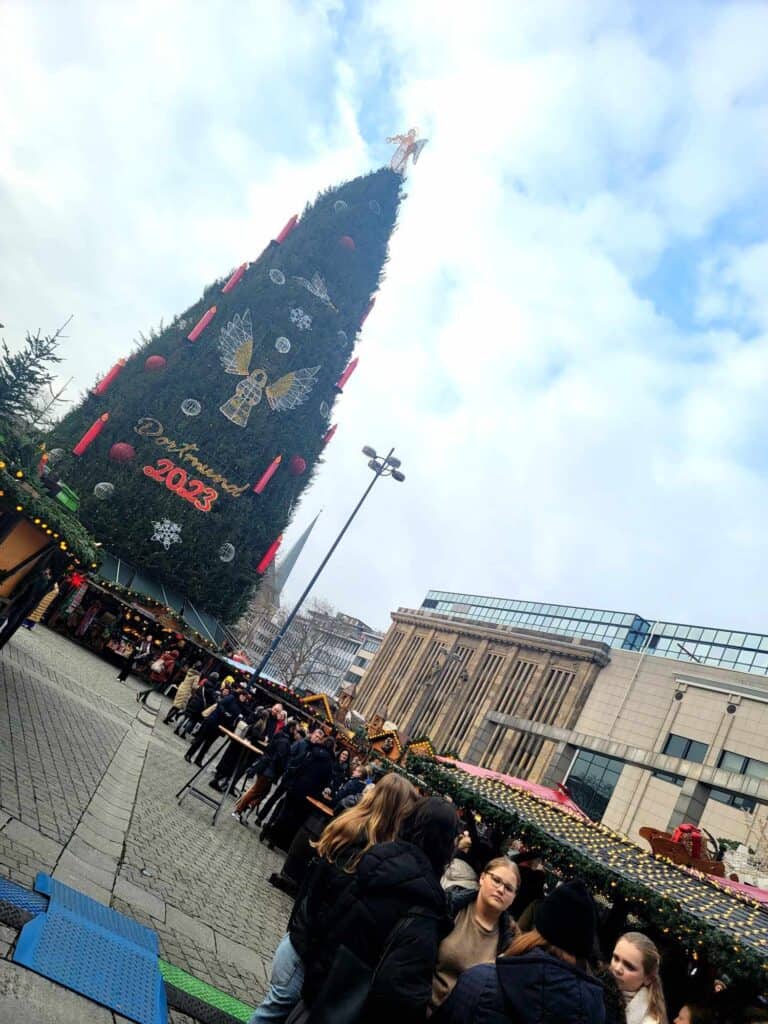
(407, 146)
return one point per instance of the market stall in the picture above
(712, 922)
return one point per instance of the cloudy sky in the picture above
(570, 351)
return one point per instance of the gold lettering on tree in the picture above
(149, 427)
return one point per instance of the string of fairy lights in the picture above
(730, 928)
(19, 493)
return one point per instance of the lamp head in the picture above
(397, 475)
(369, 452)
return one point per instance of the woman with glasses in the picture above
(482, 928)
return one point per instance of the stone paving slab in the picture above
(27, 836)
(178, 921)
(140, 898)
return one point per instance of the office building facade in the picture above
(639, 735)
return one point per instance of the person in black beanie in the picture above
(543, 976)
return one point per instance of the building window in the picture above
(592, 780)
(675, 780)
(351, 677)
(742, 765)
(741, 803)
(688, 750)
(360, 661)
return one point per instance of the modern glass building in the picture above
(725, 648)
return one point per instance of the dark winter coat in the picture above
(225, 713)
(353, 788)
(324, 886)
(275, 758)
(535, 988)
(299, 752)
(312, 775)
(202, 698)
(394, 886)
(459, 899)
(340, 775)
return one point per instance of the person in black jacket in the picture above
(299, 750)
(269, 769)
(542, 977)
(225, 713)
(352, 790)
(377, 818)
(340, 770)
(312, 776)
(380, 940)
(202, 698)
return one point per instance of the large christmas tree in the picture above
(201, 413)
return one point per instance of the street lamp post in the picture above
(386, 465)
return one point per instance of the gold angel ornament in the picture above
(236, 351)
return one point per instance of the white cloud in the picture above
(562, 438)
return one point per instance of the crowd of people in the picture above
(387, 927)
(408, 909)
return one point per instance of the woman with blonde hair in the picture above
(635, 966)
(377, 818)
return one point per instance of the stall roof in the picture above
(729, 925)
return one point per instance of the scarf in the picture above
(637, 1008)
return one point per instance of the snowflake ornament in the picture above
(276, 276)
(301, 319)
(166, 533)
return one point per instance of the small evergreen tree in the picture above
(207, 418)
(24, 374)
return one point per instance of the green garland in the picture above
(37, 505)
(733, 954)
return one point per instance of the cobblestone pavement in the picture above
(63, 718)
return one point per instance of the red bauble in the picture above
(155, 363)
(347, 243)
(122, 452)
(297, 465)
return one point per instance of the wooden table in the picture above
(189, 788)
(320, 806)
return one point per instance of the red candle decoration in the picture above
(297, 465)
(266, 476)
(368, 309)
(289, 227)
(122, 452)
(348, 243)
(346, 375)
(330, 434)
(155, 364)
(201, 324)
(90, 435)
(105, 382)
(269, 555)
(235, 278)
